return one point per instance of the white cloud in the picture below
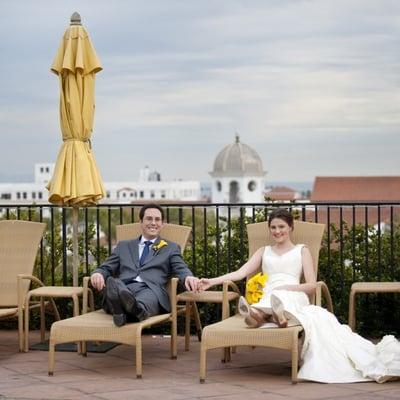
(304, 82)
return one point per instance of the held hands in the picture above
(198, 285)
(205, 283)
(97, 281)
(193, 284)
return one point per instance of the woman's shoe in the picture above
(252, 317)
(279, 314)
(244, 307)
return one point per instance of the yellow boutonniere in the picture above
(254, 287)
(161, 244)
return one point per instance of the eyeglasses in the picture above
(151, 219)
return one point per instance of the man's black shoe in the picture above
(128, 302)
(119, 319)
(119, 316)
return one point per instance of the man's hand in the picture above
(97, 281)
(192, 284)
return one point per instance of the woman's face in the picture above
(280, 230)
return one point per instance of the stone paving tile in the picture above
(253, 395)
(42, 391)
(142, 394)
(393, 392)
(310, 390)
(106, 384)
(252, 374)
(72, 377)
(212, 389)
(15, 380)
(33, 367)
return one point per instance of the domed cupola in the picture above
(238, 159)
(238, 175)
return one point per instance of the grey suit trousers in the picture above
(146, 301)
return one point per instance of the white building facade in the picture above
(149, 187)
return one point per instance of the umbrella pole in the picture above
(75, 247)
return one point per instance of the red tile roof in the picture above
(281, 193)
(356, 188)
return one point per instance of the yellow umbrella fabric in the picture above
(76, 180)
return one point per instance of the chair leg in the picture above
(226, 354)
(295, 357)
(26, 322)
(51, 356)
(187, 325)
(197, 320)
(203, 362)
(21, 328)
(352, 311)
(174, 336)
(139, 354)
(75, 301)
(42, 320)
(55, 309)
(83, 349)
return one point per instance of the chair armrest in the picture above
(85, 284)
(172, 291)
(225, 301)
(21, 290)
(323, 290)
(230, 284)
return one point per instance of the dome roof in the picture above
(237, 159)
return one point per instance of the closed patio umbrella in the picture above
(76, 180)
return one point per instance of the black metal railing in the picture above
(361, 243)
(362, 235)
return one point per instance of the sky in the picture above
(312, 85)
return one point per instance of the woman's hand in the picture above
(206, 283)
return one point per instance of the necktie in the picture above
(145, 252)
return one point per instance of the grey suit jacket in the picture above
(159, 266)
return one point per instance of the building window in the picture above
(141, 194)
(124, 194)
(152, 195)
(219, 186)
(18, 195)
(252, 186)
(41, 170)
(24, 195)
(163, 194)
(47, 169)
(131, 194)
(33, 195)
(6, 196)
(108, 195)
(40, 195)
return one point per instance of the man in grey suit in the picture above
(135, 275)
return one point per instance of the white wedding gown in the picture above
(331, 352)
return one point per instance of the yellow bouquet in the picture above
(254, 287)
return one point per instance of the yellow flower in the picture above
(161, 244)
(254, 287)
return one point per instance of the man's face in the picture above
(151, 223)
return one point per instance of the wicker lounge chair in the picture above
(99, 326)
(234, 332)
(19, 241)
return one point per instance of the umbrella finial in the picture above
(75, 19)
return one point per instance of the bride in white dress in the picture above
(331, 352)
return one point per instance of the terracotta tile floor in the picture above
(252, 374)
